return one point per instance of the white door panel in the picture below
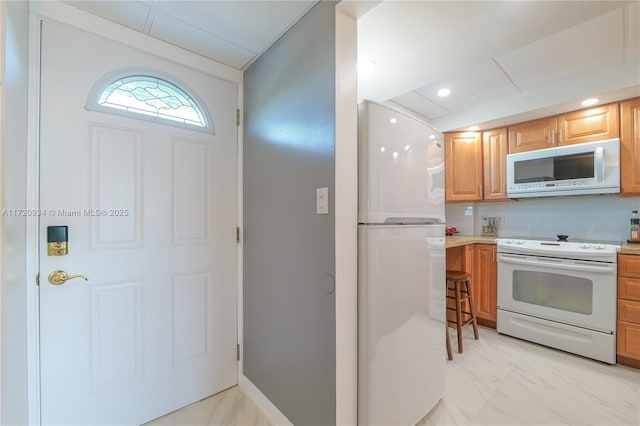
(151, 211)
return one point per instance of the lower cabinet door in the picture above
(629, 339)
(484, 281)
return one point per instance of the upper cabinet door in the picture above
(537, 134)
(589, 125)
(494, 154)
(463, 166)
(630, 147)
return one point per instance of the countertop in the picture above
(457, 241)
(626, 248)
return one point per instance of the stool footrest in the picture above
(462, 299)
(462, 312)
(465, 322)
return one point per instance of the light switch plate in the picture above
(322, 200)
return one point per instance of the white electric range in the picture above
(560, 294)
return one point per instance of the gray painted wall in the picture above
(14, 167)
(289, 141)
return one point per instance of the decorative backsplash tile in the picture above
(599, 217)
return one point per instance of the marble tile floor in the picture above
(498, 380)
(231, 407)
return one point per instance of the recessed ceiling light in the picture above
(474, 128)
(382, 149)
(445, 91)
(432, 136)
(393, 120)
(590, 101)
(366, 66)
(407, 147)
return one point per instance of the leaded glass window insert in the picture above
(152, 96)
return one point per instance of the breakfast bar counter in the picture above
(457, 241)
(476, 255)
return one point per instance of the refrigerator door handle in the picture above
(413, 221)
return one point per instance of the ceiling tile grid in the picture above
(131, 14)
(539, 72)
(575, 49)
(233, 32)
(496, 56)
(249, 24)
(467, 84)
(172, 30)
(421, 105)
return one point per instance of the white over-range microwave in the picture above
(587, 168)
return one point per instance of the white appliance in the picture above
(586, 168)
(560, 294)
(401, 268)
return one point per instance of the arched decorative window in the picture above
(146, 96)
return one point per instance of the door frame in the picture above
(63, 14)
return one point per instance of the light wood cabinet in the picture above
(628, 311)
(589, 125)
(485, 284)
(628, 343)
(628, 335)
(629, 266)
(630, 147)
(494, 164)
(476, 165)
(480, 261)
(585, 125)
(460, 258)
(531, 135)
(476, 162)
(629, 288)
(463, 166)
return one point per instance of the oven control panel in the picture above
(575, 250)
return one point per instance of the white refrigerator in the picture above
(401, 267)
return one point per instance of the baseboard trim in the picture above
(267, 407)
(629, 362)
(486, 322)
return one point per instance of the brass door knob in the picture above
(61, 277)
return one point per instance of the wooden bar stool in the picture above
(458, 283)
(446, 330)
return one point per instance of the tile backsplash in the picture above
(598, 217)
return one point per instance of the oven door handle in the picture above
(516, 260)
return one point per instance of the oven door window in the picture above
(551, 290)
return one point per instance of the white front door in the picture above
(151, 216)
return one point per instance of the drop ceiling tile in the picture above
(253, 25)
(467, 84)
(477, 101)
(575, 49)
(132, 14)
(633, 28)
(181, 34)
(421, 105)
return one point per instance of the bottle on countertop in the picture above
(635, 227)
